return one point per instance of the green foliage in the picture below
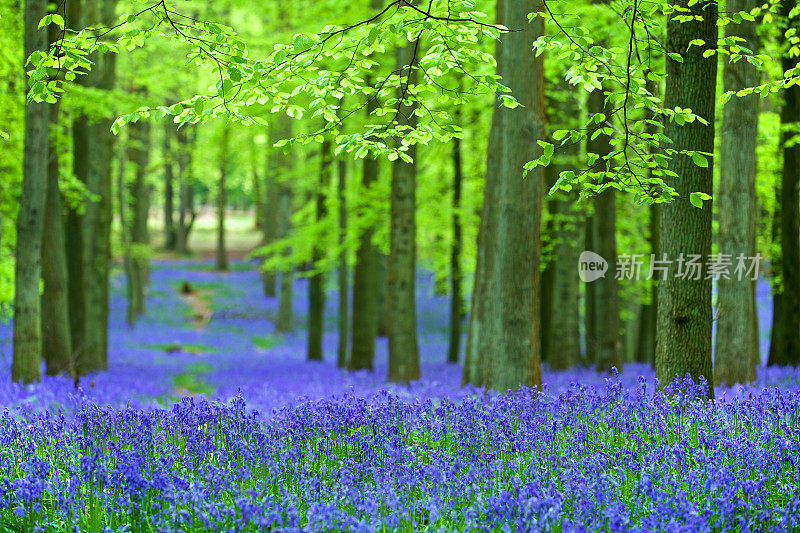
(308, 76)
(12, 128)
(622, 66)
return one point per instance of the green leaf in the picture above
(547, 149)
(699, 160)
(675, 57)
(696, 199)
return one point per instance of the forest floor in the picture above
(293, 445)
(219, 340)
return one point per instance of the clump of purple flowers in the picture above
(586, 458)
(280, 443)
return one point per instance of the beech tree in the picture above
(684, 317)
(785, 341)
(503, 346)
(401, 315)
(30, 221)
(736, 347)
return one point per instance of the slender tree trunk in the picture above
(341, 351)
(169, 194)
(503, 345)
(785, 342)
(566, 228)
(186, 211)
(280, 180)
(382, 294)
(736, 347)
(285, 318)
(546, 282)
(25, 365)
(365, 281)
(606, 334)
(316, 283)
(646, 339)
(683, 343)
(456, 298)
(270, 216)
(99, 216)
(258, 193)
(401, 311)
(646, 336)
(139, 207)
(74, 222)
(590, 289)
(56, 339)
(222, 253)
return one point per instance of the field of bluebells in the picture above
(226, 427)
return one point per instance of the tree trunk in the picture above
(456, 298)
(736, 347)
(281, 181)
(606, 334)
(25, 366)
(316, 283)
(285, 319)
(169, 179)
(646, 338)
(99, 216)
(222, 253)
(258, 193)
(503, 344)
(683, 343)
(137, 257)
(56, 339)
(563, 335)
(270, 216)
(365, 280)
(785, 342)
(74, 222)
(589, 328)
(382, 294)
(341, 350)
(401, 310)
(186, 211)
(561, 340)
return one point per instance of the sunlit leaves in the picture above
(311, 73)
